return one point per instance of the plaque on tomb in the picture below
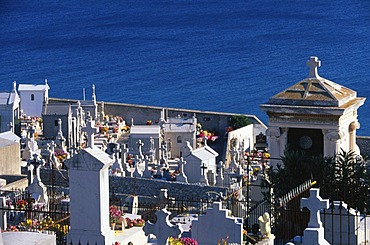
(308, 140)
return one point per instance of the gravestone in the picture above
(137, 172)
(113, 150)
(220, 176)
(90, 130)
(59, 139)
(140, 145)
(215, 225)
(89, 195)
(36, 188)
(127, 171)
(314, 233)
(163, 228)
(31, 144)
(182, 176)
(344, 225)
(147, 173)
(152, 150)
(233, 164)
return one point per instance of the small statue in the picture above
(265, 225)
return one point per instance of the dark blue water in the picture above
(227, 56)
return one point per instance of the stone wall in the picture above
(214, 121)
(151, 188)
(363, 143)
(140, 186)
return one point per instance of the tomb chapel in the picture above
(315, 115)
(33, 98)
(9, 110)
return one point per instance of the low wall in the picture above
(215, 121)
(140, 186)
(363, 143)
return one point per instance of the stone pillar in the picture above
(89, 193)
(352, 137)
(332, 139)
(283, 140)
(274, 144)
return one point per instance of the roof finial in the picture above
(14, 86)
(313, 63)
(93, 93)
(46, 81)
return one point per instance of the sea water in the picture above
(227, 56)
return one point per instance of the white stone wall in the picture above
(32, 108)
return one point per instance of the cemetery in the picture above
(90, 172)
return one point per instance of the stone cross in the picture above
(124, 151)
(117, 165)
(203, 177)
(91, 130)
(147, 173)
(163, 160)
(152, 150)
(233, 153)
(314, 203)
(233, 165)
(163, 198)
(36, 162)
(31, 131)
(313, 63)
(60, 140)
(140, 145)
(220, 176)
(182, 176)
(163, 228)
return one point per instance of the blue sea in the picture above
(226, 56)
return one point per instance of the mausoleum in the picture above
(315, 115)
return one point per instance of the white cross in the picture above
(91, 130)
(314, 203)
(313, 63)
(181, 164)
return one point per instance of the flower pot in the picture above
(112, 225)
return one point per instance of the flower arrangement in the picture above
(182, 241)
(22, 204)
(125, 128)
(114, 213)
(61, 155)
(134, 222)
(223, 241)
(44, 224)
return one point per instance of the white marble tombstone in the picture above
(89, 194)
(216, 225)
(314, 233)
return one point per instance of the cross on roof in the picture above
(314, 203)
(313, 63)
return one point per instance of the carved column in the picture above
(332, 139)
(283, 140)
(274, 144)
(352, 136)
